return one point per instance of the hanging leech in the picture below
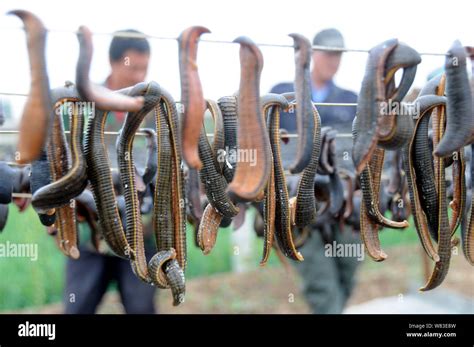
(37, 113)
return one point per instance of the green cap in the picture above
(329, 37)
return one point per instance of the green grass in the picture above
(25, 282)
(219, 260)
(393, 237)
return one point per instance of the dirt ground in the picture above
(276, 289)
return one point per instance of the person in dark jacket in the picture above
(327, 281)
(89, 277)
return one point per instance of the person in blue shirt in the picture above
(327, 281)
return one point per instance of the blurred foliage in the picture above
(26, 282)
(393, 237)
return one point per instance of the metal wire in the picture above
(164, 38)
(13, 94)
(329, 104)
(14, 163)
(283, 136)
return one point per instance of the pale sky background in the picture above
(428, 26)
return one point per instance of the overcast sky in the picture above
(428, 26)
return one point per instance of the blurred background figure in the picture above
(88, 278)
(327, 281)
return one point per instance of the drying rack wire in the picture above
(212, 41)
(323, 104)
(329, 104)
(139, 133)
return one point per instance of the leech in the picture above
(441, 267)
(304, 105)
(37, 114)
(460, 121)
(58, 158)
(63, 190)
(208, 228)
(283, 226)
(249, 180)
(372, 93)
(191, 94)
(104, 99)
